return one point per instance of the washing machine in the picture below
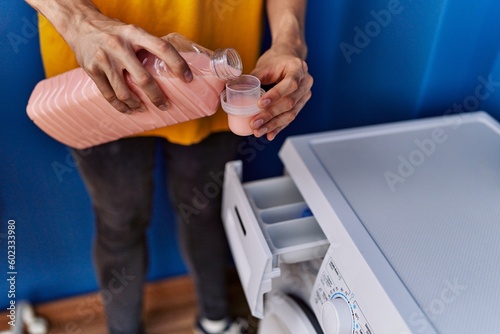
(286, 308)
(277, 246)
(387, 229)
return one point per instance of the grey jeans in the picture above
(119, 179)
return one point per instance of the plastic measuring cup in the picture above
(239, 100)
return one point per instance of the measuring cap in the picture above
(241, 96)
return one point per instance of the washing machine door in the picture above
(286, 314)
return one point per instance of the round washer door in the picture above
(286, 314)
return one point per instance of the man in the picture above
(102, 37)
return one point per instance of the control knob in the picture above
(336, 317)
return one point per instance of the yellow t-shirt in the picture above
(212, 24)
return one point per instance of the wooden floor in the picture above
(170, 308)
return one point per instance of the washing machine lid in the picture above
(424, 198)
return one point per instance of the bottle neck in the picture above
(226, 64)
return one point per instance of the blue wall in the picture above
(373, 62)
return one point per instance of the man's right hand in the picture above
(106, 48)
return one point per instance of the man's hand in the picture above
(281, 104)
(284, 65)
(106, 49)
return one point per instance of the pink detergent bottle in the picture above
(71, 109)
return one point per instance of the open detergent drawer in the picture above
(267, 223)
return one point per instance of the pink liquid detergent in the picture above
(240, 124)
(71, 109)
(240, 101)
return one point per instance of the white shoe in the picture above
(238, 326)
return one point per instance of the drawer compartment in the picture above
(267, 223)
(295, 232)
(273, 192)
(286, 212)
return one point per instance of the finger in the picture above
(123, 91)
(284, 104)
(175, 62)
(137, 80)
(290, 83)
(289, 101)
(109, 78)
(282, 120)
(271, 135)
(276, 122)
(162, 49)
(147, 83)
(108, 93)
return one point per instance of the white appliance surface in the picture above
(412, 212)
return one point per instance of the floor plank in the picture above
(169, 307)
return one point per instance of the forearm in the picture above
(106, 48)
(66, 15)
(287, 25)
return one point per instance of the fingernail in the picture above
(264, 103)
(258, 123)
(188, 76)
(163, 107)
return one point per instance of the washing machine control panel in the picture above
(335, 304)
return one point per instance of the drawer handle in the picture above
(241, 222)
